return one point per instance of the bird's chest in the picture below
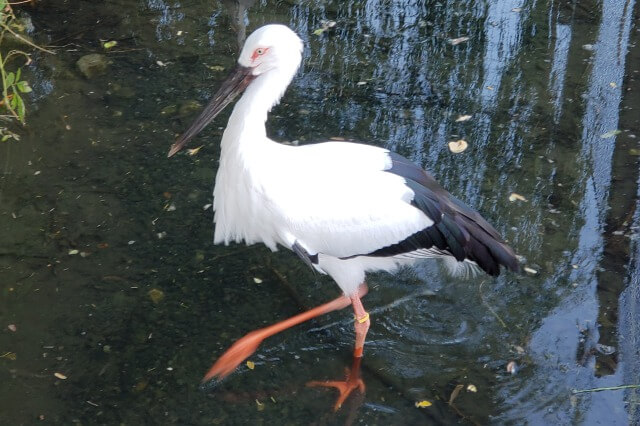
(244, 209)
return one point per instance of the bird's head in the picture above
(271, 49)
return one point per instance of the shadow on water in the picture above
(110, 276)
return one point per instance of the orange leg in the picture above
(353, 380)
(247, 345)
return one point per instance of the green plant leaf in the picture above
(23, 87)
(14, 102)
(18, 74)
(11, 77)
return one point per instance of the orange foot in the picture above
(353, 381)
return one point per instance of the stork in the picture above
(344, 208)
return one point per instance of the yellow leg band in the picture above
(364, 318)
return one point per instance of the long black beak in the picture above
(237, 81)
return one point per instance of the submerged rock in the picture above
(92, 65)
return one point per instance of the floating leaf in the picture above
(10, 356)
(530, 270)
(472, 388)
(109, 44)
(60, 376)
(423, 404)
(516, 197)
(325, 26)
(613, 85)
(73, 251)
(512, 367)
(516, 9)
(610, 134)
(456, 41)
(634, 151)
(156, 295)
(260, 405)
(463, 118)
(216, 68)
(458, 146)
(251, 365)
(257, 280)
(454, 393)
(141, 385)
(12, 327)
(194, 151)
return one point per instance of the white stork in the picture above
(344, 208)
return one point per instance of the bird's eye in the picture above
(260, 51)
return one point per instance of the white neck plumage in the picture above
(247, 122)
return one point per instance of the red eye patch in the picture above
(259, 52)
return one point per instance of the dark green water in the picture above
(546, 84)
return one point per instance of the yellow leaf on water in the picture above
(260, 405)
(9, 355)
(472, 388)
(60, 376)
(251, 365)
(516, 197)
(423, 404)
(109, 44)
(463, 118)
(156, 295)
(194, 151)
(458, 146)
(530, 270)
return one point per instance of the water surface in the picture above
(547, 86)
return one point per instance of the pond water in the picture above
(109, 276)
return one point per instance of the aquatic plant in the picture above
(13, 86)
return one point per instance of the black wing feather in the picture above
(458, 230)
